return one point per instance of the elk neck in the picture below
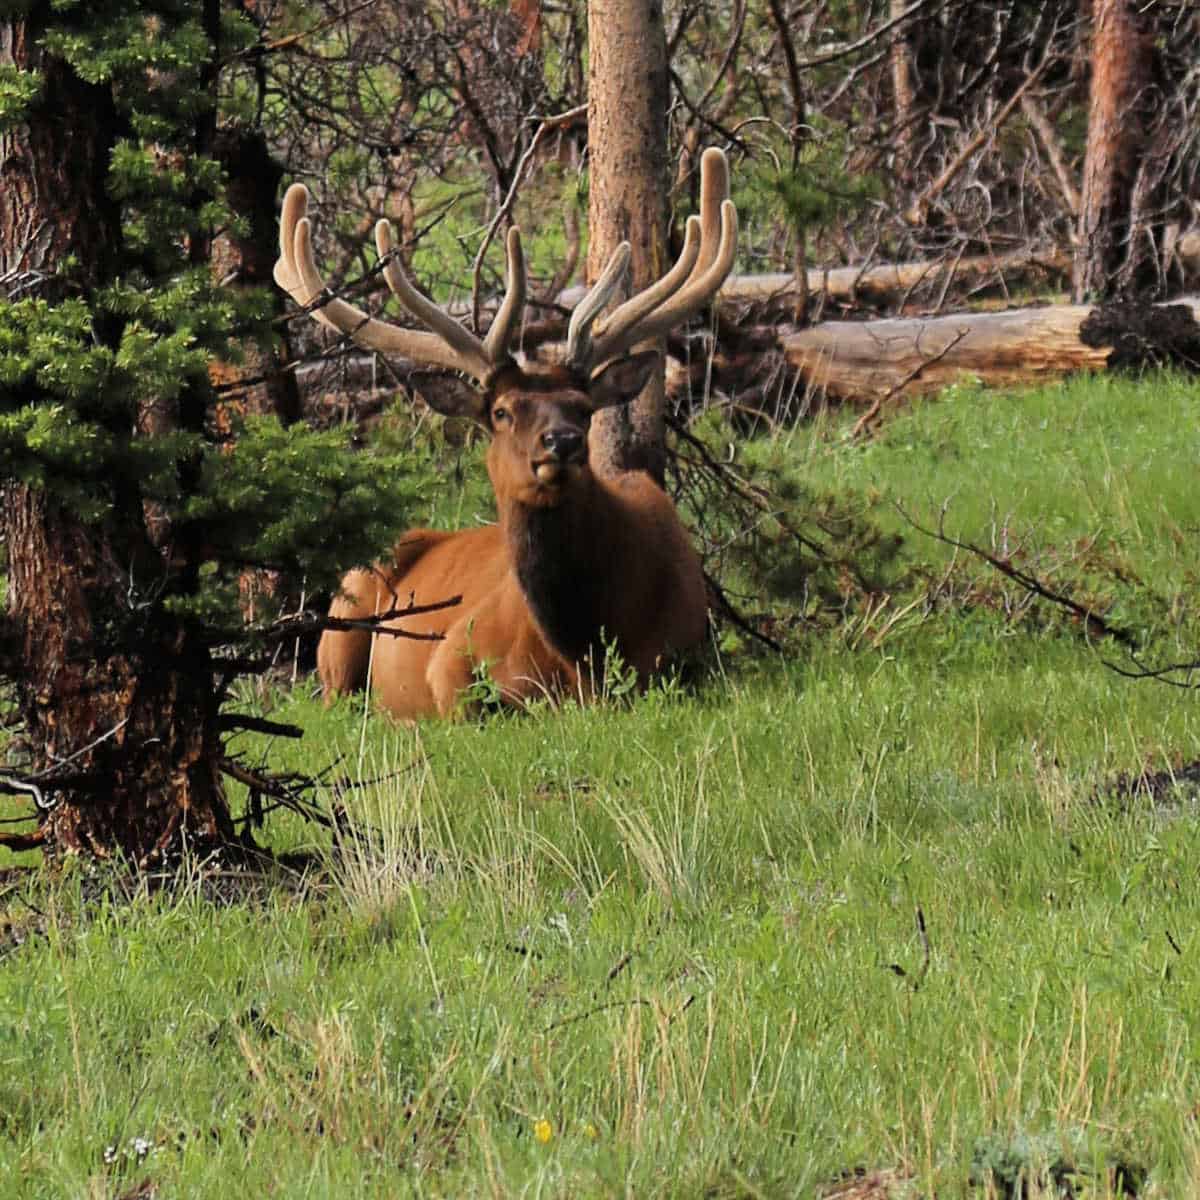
(562, 555)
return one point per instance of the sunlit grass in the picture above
(876, 906)
(1094, 456)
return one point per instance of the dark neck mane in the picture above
(561, 574)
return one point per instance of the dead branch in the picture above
(547, 125)
(239, 722)
(919, 209)
(727, 609)
(299, 624)
(1092, 621)
(1163, 674)
(1054, 152)
(294, 39)
(288, 791)
(19, 785)
(740, 489)
(23, 841)
(863, 423)
(863, 42)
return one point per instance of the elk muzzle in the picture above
(561, 447)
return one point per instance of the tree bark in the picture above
(115, 693)
(256, 384)
(119, 716)
(628, 91)
(55, 158)
(1118, 122)
(904, 96)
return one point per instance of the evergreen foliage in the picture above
(141, 492)
(80, 365)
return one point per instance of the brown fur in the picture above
(573, 553)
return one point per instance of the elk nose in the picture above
(566, 445)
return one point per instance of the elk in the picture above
(578, 558)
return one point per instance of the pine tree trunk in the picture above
(628, 90)
(904, 97)
(1105, 259)
(119, 715)
(116, 695)
(255, 384)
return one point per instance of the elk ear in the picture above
(620, 380)
(451, 395)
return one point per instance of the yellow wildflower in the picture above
(543, 1130)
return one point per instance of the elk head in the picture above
(539, 422)
(538, 416)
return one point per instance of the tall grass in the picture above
(883, 907)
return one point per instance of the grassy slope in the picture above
(1096, 459)
(679, 941)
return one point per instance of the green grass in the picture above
(1096, 457)
(672, 948)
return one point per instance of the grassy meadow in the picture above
(891, 911)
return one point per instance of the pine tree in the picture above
(629, 89)
(130, 505)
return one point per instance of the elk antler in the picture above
(709, 244)
(448, 344)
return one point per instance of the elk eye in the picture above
(501, 415)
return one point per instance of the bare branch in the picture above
(919, 208)
(1092, 621)
(299, 624)
(239, 722)
(548, 125)
(864, 422)
(863, 42)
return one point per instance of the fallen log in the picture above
(880, 284)
(778, 373)
(864, 360)
(892, 282)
